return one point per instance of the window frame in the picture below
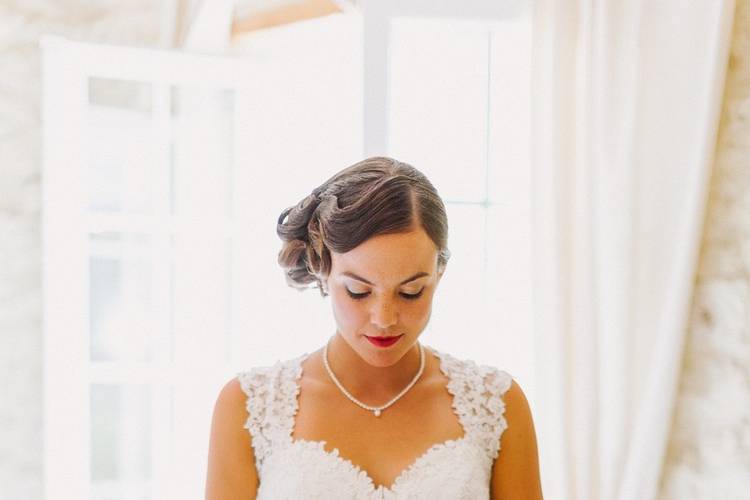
(68, 372)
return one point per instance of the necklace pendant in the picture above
(375, 411)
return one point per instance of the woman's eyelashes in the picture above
(408, 296)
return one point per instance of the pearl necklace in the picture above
(375, 409)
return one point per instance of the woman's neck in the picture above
(371, 384)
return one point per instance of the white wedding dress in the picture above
(457, 469)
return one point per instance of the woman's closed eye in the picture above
(408, 296)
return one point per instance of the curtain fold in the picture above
(626, 99)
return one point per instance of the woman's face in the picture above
(384, 287)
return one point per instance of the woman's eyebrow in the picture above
(359, 278)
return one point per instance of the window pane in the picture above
(460, 101)
(438, 102)
(120, 442)
(509, 247)
(120, 297)
(122, 156)
(202, 151)
(510, 112)
(200, 298)
(458, 309)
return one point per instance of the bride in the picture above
(374, 413)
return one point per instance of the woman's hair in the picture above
(375, 196)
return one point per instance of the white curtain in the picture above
(626, 100)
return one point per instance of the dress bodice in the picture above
(300, 469)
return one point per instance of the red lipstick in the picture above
(384, 341)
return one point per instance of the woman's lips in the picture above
(384, 341)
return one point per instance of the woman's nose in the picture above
(384, 314)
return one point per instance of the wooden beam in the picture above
(306, 9)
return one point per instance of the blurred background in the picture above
(593, 156)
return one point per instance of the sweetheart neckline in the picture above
(358, 470)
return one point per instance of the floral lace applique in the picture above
(457, 469)
(477, 398)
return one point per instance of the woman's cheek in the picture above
(346, 312)
(423, 310)
(421, 313)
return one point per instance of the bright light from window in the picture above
(168, 248)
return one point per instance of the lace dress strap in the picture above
(271, 393)
(477, 399)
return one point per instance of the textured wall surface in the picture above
(709, 449)
(131, 22)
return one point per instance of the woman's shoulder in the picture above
(483, 393)
(267, 394)
(231, 459)
(283, 371)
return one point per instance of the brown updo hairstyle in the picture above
(375, 196)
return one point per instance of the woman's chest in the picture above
(382, 446)
(456, 470)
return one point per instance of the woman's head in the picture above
(376, 196)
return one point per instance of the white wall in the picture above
(132, 22)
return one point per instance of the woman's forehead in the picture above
(389, 256)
